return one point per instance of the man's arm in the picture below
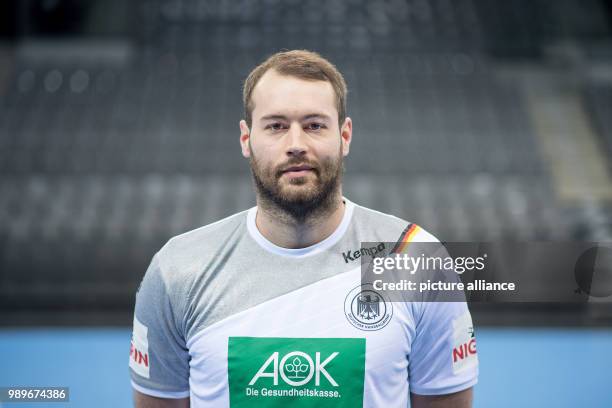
(461, 399)
(146, 401)
(159, 358)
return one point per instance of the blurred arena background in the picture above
(477, 119)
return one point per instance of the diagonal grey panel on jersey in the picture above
(219, 270)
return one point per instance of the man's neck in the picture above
(288, 233)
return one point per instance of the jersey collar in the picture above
(300, 252)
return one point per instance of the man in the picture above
(258, 309)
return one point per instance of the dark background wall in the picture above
(479, 120)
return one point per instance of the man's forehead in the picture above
(277, 94)
(288, 114)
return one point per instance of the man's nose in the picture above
(297, 141)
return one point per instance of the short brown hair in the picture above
(302, 64)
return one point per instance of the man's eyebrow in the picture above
(306, 117)
(317, 116)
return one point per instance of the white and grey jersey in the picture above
(227, 318)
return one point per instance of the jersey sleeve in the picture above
(159, 359)
(443, 357)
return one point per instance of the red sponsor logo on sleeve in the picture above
(138, 356)
(464, 350)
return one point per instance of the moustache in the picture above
(296, 163)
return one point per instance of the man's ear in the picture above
(245, 135)
(346, 135)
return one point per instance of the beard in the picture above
(300, 199)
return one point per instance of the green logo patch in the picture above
(304, 372)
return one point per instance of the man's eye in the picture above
(275, 126)
(315, 126)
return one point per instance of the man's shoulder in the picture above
(195, 245)
(389, 228)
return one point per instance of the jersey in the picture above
(229, 319)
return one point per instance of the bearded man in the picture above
(266, 308)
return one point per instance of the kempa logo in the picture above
(296, 369)
(352, 255)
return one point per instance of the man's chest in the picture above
(325, 343)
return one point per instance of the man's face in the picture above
(295, 145)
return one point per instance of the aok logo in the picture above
(296, 368)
